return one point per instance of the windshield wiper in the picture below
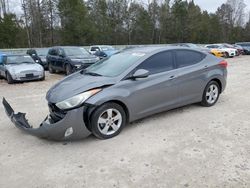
(92, 73)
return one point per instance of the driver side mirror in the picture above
(140, 73)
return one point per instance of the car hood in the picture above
(80, 57)
(22, 67)
(75, 84)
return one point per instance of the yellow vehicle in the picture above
(217, 53)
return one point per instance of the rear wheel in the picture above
(108, 120)
(211, 94)
(9, 78)
(51, 70)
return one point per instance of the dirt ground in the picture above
(187, 147)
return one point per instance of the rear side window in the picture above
(158, 63)
(186, 58)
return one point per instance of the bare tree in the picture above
(238, 11)
(4, 7)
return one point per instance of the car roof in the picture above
(152, 49)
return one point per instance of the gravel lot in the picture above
(187, 147)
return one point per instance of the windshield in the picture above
(42, 51)
(106, 48)
(75, 51)
(19, 59)
(115, 65)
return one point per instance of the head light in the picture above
(76, 100)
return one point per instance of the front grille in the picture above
(29, 78)
(55, 113)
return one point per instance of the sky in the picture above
(212, 5)
(209, 5)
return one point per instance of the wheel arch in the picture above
(92, 108)
(218, 81)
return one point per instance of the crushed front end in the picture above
(59, 125)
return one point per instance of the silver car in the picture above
(19, 68)
(125, 87)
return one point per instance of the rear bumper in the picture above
(71, 127)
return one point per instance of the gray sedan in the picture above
(20, 68)
(125, 87)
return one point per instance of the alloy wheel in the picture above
(109, 122)
(212, 94)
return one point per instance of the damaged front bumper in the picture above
(70, 127)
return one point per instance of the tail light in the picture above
(223, 64)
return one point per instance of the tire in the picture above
(42, 79)
(9, 78)
(227, 55)
(68, 69)
(211, 94)
(51, 70)
(103, 123)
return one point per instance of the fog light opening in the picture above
(68, 132)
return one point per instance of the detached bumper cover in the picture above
(73, 120)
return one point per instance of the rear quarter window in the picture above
(186, 58)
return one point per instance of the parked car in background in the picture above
(238, 52)
(102, 51)
(69, 59)
(239, 48)
(20, 68)
(217, 52)
(245, 46)
(229, 52)
(125, 87)
(39, 56)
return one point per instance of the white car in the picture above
(20, 68)
(93, 49)
(229, 52)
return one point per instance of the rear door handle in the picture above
(172, 77)
(206, 66)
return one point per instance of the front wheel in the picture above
(227, 55)
(68, 69)
(9, 78)
(211, 94)
(108, 120)
(51, 70)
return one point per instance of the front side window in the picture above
(158, 63)
(186, 58)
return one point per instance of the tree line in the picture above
(85, 22)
